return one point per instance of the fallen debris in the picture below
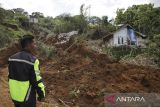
(63, 103)
(94, 74)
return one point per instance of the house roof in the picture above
(126, 25)
(140, 34)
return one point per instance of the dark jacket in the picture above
(24, 78)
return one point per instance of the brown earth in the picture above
(7, 52)
(82, 76)
(5, 100)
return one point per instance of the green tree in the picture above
(120, 19)
(82, 13)
(154, 48)
(144, 18)
(38, 14)
(105, 20)
(65, 16)
(95, 19)
(2, 14)
(83, 19)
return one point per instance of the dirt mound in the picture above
(86, 52)
(7, 52)
(82, 77)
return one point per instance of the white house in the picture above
(33, 19)
(125, 35)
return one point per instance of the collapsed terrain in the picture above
(80, 77)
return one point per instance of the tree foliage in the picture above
(144, 18)
(38, 14)
(105, 20)
(2, 14)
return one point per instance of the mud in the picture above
(82, 77)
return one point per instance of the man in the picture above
(24, 75)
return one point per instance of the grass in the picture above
(46, 51)
(9, 35)
(122, 51)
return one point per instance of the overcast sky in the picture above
(57, 7)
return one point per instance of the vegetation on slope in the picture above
(144, 18)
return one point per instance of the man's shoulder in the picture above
(16, 55)
(24, 56)
(29, 56)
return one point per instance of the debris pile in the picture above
(65, 37)
(63, 40)
(83, 76)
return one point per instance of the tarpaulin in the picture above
(132, 35)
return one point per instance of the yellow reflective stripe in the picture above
(18, 89)
(37, 71)
(36, 65)
(41, 85)
(38, 77)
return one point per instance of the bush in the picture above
(122, 51)
(5, 37)
(95, 32)
(46, 51)
(154, 48)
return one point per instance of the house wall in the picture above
(33, 20)
(122, 33)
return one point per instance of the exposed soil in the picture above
(7, 52)
(81, 77)
(5, 100)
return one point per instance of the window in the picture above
(122, 40)
(119, 40)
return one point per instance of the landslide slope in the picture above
(82, 77)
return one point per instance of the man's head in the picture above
(27, 43)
